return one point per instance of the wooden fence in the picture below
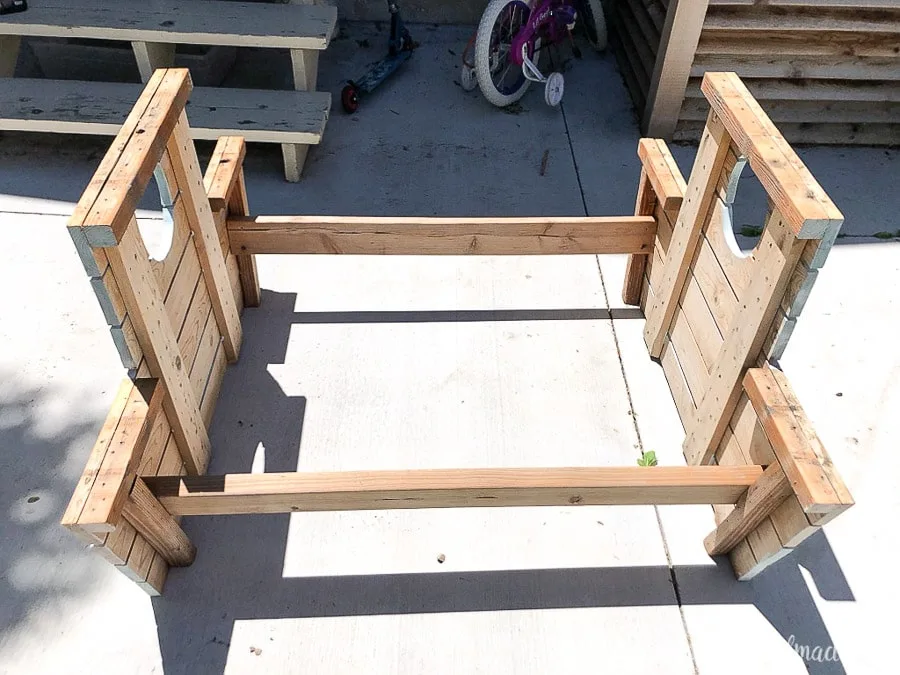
(825, 71)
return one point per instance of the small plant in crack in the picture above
(647, 459)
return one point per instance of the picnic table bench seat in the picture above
(67, 106)
(154, 29)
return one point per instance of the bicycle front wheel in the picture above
(501, 80)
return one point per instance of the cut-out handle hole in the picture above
(159, 233)
(743, 208)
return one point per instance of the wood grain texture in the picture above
(238, 24)
(692, 217)
(800, 453)
(227, 192)
(157, 526)
(645, 205)
(680, 35)
(760, 500)
(440, 236)
(246, 264)
(774, 259)
(223, 170)
(100, 108)
(105, 220)
(792, 188)
(130, 264)
(206, 237)
(443, 488)
(665, 176)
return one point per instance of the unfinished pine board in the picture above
(786, 45)
(810, 65)
(798, 112)
(355, 235)
(106, 218)
(767, 91)
(99, 108)
(103, 506)
(445, 488)
(227, 192)
(130, 264)
(237, 24)
(246, 264)
(665, 193)
(223, 170)
(206, 354)
(98, 453)
(799, 451)
(634, 273)
(809, 20)
(776, 260)
(692, 217)
(760, 500)
(213, 385)
(156, 577)
(184, 286)
(186, 168)
(157, 526)
(793, 189)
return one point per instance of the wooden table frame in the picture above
(750, 449)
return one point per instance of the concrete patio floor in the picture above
(370, 363)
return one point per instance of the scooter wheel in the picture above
(350, 99)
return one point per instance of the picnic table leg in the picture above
(153, 55)
(9, 54)
(305, 63)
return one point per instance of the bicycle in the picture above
(509, 40)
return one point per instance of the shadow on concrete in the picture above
(42, 566)
(468, 315)
(239, 571)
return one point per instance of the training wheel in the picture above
(350, 98)
(467, 79)
(553, 90)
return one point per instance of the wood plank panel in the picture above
(206, 354)
(441, 236)
(130, 264)
(238, 24)
(442, 488)
(212, 258)
(710, 159)
(775, 259)
(636, 266)
(213, 386)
